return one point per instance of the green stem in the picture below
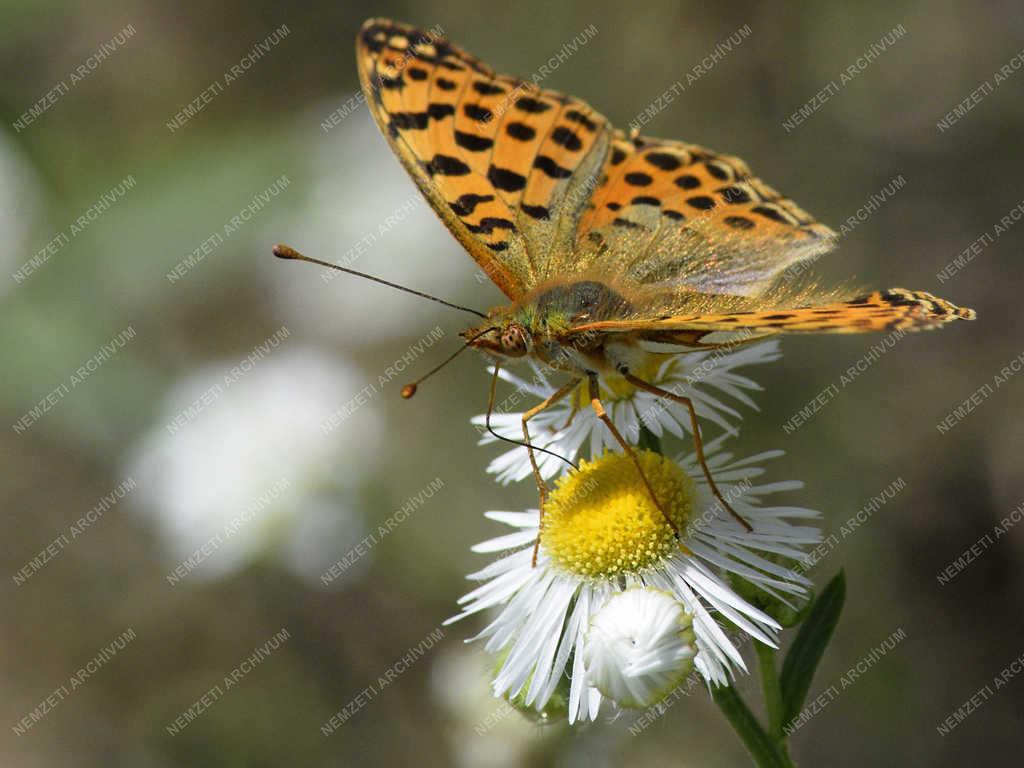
(759, 744)
(772, 691)
(768, 750)
(648, 440)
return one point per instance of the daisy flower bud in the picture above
(639, 647)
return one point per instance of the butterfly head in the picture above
(505, 337)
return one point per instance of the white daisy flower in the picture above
(709, 378)
(602, 536)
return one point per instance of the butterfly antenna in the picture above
(410, 389)
(287, 252)
(527, 446)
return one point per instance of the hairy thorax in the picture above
(539, 326)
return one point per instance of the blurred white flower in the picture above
(486, 732)
(19, 210)
(249, 460)
(361, 210)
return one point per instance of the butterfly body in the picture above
(542, 326)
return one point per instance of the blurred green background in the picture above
(203, 396)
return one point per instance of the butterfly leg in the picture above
(542, 489)
(602, 414)
(697, 441)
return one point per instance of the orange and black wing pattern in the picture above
(892, 310)
(681, 214)
(540, 189)
(507, 166)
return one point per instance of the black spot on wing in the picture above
(551, 168)
(444, 84)
(686, 181)
(418, 121)
(439, 111)
(564, 137)
(772, 213)
(531, 105)
(663, 160)
(717, 171)
(445, 165)
(488, 224)
(638, 179)
(536, 211)
(626, 223)
(487, 89)
(472, 142)
(520, 131)
(575, 116)
(478, 113)
(467, 203)
(370, 35)
(701, 202)
(739, 222)
(409, 121)
(734, 195)
(506, 180)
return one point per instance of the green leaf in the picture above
(761, 746)
(809, 646)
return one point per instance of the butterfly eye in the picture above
(513, 340)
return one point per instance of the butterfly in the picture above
(604, 242)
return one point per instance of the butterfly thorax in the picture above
(541, 325)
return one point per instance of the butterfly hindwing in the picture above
(894, 309)
(683, 215)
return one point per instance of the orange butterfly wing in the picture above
(502, 162)
(683, 215)
(894, 309)
(539, 188)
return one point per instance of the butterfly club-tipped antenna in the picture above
(410, 389)
(287, 252)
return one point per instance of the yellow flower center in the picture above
(600, 520)
(615, 388)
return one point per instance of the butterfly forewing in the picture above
(508, 166)
(414, 84)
